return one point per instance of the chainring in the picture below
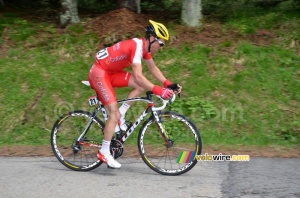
(116, 148)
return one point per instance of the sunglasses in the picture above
(161, 44)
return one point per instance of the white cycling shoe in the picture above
(109, 160)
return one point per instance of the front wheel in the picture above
(173, 153)
(79, 155)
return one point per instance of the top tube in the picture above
(135, 99)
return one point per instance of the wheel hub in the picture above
(170, 143)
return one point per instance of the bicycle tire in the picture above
(66, 149)
(186, 140)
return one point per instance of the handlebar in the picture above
(165, 102)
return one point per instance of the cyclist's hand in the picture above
(175, 87)
(165, 93)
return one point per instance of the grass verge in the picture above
(247, 97)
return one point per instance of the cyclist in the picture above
(108, 72)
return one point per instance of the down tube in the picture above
(137, 122)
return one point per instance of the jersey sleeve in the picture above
(147, 56)
(138, 52)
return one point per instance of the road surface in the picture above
(45, 177)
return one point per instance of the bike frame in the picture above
(150, 108)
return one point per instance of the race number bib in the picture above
(102, 54)
(93, 100)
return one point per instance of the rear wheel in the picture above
(174, 155)
(77, 155)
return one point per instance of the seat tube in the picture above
(104, 113)
(87, 127)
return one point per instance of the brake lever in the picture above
(175, 88)
(178, 94)
(170, 101)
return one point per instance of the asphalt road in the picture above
(46, 177)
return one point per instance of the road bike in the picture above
(167, 141)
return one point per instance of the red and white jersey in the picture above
(122, 55)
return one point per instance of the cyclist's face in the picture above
(157, 45)
(161, 42)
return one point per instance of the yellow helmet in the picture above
(158, 30)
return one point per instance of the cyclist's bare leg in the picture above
(113, 118)
(104, 153)
(136, 91)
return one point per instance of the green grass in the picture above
(247, 97)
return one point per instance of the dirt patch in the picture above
(210, 34)
(122, 24)
(6, 43)
(132, 151)
(262, 37)
(117, 25)
(119, 22)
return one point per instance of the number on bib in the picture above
(102, 54)
(93, 100)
